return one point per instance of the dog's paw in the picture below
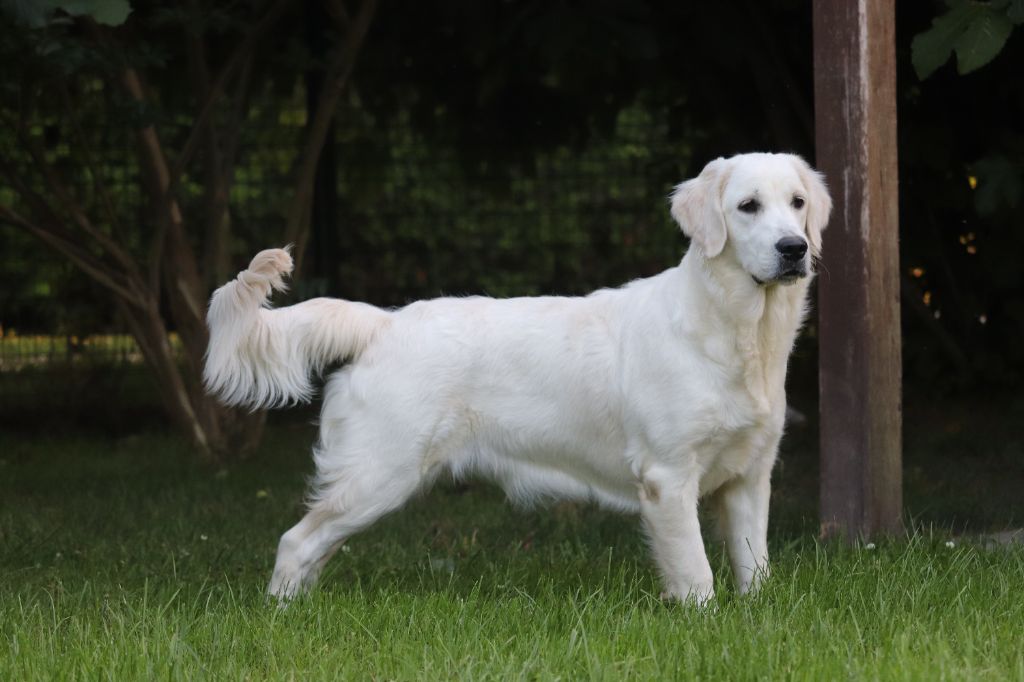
(699, 597)
(283, 590)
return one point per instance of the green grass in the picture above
(119, 560)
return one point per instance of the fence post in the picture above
(859, 285)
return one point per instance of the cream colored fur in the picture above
(644, 398)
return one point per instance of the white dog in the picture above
(643, 398)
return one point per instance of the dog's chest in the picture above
(728, 454)
(735, 433)
(741, 424)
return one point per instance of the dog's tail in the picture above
(265, 357)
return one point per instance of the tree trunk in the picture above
(174, 274)
(219, 433)
(336, 76)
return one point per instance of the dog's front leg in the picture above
(668, 504)
(742, 508)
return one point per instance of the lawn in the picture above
(120, 560)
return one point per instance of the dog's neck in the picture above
(763, 320)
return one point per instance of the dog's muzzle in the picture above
(792, 263)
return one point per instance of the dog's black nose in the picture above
(791, 248)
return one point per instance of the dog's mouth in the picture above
(785, 277)
(792, 274)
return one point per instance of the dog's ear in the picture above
(819, 203)
(697, 207)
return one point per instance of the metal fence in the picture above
(413, 219)
(41, 350)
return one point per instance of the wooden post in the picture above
(859, 285)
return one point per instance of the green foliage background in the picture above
(527, 148)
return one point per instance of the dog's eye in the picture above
(750, 206)
(798, 203)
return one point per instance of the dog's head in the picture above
(766, 212)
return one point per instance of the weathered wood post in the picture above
(859, 285)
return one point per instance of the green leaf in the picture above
(109, 12)
(983, 39)
(977, 31)
(39, 13)
(931, 49)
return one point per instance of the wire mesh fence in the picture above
(413, 219)
(40, 350)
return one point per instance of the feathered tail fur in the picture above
(265, 357)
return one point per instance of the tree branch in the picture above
(66, 199)
(165, 177)
(241, 53)
(85, 150)
(169, 216)
(64, 243)
(216, 223)
(339, 13)
(239, 109)
(339, 69)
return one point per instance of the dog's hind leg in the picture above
(342, 508)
